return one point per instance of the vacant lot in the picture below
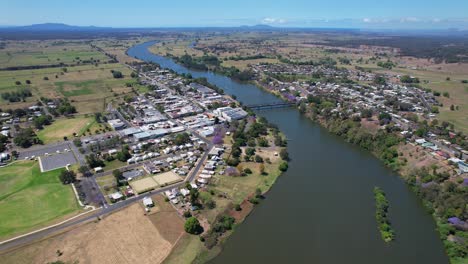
(30, 199)
(64, 127)
(127, 236)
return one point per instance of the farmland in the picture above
(33, 53)
(89, 87)
(30, 199)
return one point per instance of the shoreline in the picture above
(326, 124)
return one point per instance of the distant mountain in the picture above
(259, 26)
(57, 27)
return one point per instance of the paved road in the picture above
(41, 150)
(104, 211)
(88, 184)
(107, 209)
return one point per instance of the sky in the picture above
(377, 14)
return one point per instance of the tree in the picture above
(181, 139)
(262, 169)
(118, 177)
(250, 151)
(194, 196)
(192, 226)
(258, 159)
(284, 154)
(283, 166)
(83, 169)
(117, 74)
(366, 113)
(67, 177)
(124, 154)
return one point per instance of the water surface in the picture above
(322, 209)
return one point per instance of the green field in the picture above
(30, 199)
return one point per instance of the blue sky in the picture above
(290, 13)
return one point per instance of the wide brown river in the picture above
(322, 209)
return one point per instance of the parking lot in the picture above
(56, 161)
(42, 151)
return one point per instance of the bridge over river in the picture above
(270, 105)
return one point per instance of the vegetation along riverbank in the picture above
(435, 182)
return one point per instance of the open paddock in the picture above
(144, 185)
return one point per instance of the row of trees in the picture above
(17, 96)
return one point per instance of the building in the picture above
(148, 202)
(130, 131)
(150, 134)
(116, 124)
(201, 88)
(4, 156)
(230, 113)
(115, 197)
(463, 167)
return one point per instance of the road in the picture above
(90, 182)
(104, 211)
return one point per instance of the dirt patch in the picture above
(166, 219)
(246, 206)
(127, 236)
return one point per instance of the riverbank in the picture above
(234, 191)
(393, 151)
(303, 215)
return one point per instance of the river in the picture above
(322, 209)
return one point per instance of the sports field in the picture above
(151, 183)
(30, 199)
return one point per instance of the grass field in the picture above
(30, 199)
(64, 127)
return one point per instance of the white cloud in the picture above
(367, 20)
(409, 19)
(271, 20)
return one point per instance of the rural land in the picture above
(112, 158)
